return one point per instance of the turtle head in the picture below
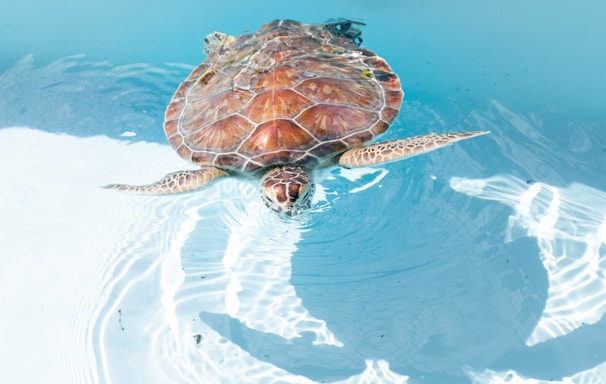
(287, 190)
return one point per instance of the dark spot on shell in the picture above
(367, 52)
(384, 76)
(205, 78)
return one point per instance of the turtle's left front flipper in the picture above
(393, 150)
(176, 182)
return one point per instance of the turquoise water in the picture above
(484, 262)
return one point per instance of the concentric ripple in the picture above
(393, 270)
(143, 271)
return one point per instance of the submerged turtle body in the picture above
(291, 93)
(280, 102)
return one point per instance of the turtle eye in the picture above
(272, 194)
(303, 191)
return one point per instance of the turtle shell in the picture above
(290, 93)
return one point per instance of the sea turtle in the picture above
(281, 102)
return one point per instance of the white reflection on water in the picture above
(107, 277)
(178, 286)
(595, 375)
(570, 227)
(257, 267)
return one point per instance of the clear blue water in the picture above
(484, 262)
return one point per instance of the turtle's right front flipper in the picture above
(387, 151)
(176, 182)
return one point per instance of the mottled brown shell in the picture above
(291, 93)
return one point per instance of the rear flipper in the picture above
(393, 150)
(176, 182)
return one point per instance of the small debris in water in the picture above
(120, 319)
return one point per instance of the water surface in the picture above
(483, 262)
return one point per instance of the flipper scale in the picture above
(394, 150)
(175, 182)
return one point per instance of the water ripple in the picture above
(570, 227)
(391, 271)
(594, 375)
(81, 97)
